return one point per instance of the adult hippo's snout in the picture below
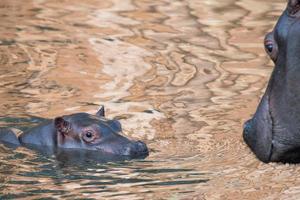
(258, 131)
(273, 133)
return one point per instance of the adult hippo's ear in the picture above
(293, 3)
(101, 112)
(62, 125)
(293, 7)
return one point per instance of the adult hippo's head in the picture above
(273, 133)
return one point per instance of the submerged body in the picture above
(273, 133)
(80, 131)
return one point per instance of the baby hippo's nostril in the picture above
(141, 146)
(137, 149)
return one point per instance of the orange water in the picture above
(182, 76)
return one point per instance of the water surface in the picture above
(182, 76)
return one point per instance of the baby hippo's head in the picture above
(96, 133)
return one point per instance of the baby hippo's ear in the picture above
(101, 112)
(62, 125)
(115, 125)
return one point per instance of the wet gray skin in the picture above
(273, 133)
(80, 131)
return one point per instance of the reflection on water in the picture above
(181, 75)
(39, 176)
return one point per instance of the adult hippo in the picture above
(273, 133)
(76, 132)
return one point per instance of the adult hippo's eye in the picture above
(271, 46)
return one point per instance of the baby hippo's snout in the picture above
(136, 149)
(122, 146)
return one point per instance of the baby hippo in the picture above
(80, 131)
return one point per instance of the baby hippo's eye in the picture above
(89, 136)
